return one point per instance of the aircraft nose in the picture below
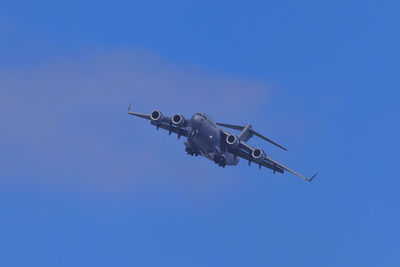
(195, 122)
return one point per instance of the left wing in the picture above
(166, 123)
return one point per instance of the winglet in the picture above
(310, 179)
(129, 108)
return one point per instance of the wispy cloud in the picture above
(63, 122)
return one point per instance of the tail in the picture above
(247, 132)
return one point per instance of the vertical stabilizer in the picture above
(246, 133)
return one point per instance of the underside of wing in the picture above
(182, 131)
(140, 115)
(257, 156)
(288, 169)
(175, 124)
(247, 156)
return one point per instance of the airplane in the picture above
(206, 138)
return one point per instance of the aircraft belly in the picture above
(207, 142)
(231, 159)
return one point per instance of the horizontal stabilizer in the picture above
(266, 139)
(230, 126)
(252, 132)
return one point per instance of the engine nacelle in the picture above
(178, 120)
(156, 116)
(258, 155)
(232, 141)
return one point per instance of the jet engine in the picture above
(156, 116)
(258, 155)
(178, 120)
(232, 141)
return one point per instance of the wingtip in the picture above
(129, 107)
(313, 177)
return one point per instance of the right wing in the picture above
(165, 123)
(274, 162)
(245, 151)
(247, 156)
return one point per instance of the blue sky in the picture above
(82, 183)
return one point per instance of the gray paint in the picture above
(208, 139)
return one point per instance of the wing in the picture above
(247, 156)
(244, 151)
(171, 128)
(163, 123)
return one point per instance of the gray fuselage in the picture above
(205, 138)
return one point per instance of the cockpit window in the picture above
(201, 114)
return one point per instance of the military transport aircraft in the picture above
(208, 139)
